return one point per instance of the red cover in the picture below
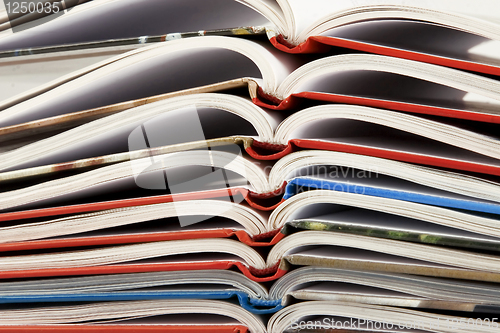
(249, 196)
(269, 274)
(440, 162)
(96, 206)
(126, 329)
(267, 239)
(376, 103)
(402, 106)
(321, 44)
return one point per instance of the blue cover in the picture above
(257, 306)
(293, 186)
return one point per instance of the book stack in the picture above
(250, 166)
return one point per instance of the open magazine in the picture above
(303, 284)
(292, 26)
(152, 316)
(275, 80)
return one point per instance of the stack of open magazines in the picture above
(250, 166)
